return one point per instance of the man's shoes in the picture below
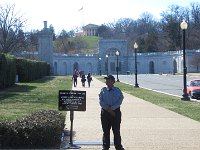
(116, 149)
(120, 149)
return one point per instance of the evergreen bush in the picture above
(7, 70)
(42, 129)
(29, 70)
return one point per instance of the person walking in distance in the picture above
(74, 78)
(83, 80)
(110, 100)
(89, 79)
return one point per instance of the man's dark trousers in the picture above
(107, 122)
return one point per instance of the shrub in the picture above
(42, 129)
(7, 70)
(29, 70)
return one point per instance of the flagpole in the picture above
(82, 11)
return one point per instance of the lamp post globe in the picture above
(184, 25)
(185, 95)
(135, 45)
(100, 66)
(136, 82)
(117, 69)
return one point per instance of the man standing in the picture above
(110, 99)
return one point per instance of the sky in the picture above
(73, 14)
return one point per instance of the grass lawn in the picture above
(186, 108)
(25, 98)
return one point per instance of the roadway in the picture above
(169, 84)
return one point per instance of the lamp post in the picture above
(185, 95)
(117, 54)
(135, 47)
(107, 64)
(100, 66)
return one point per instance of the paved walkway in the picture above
(145, 126)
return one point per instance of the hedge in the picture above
(29, 70)
(26, 69)
(42, 129)
(7, 70)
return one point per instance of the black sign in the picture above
(70, 100)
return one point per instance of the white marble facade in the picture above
(65, 64)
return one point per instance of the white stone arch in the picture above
(55, 68)
(174, 66)
(151, 67)
(111, 52)
(112, 60)
(75, 66)
(64, 68)
(181, 65)
(109, 47)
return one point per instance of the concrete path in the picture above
(145, 126)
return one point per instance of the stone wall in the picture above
(65, 64)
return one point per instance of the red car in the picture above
(193, 88)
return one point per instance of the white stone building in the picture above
(90, 30)
(65, 64)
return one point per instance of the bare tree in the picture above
(11, 24)
(194, 26)
(146, 23)
(104, 31)
(122, 27)
(170, 22)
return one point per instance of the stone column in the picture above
(45, 49)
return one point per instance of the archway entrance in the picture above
(55, 68)
(112, 60)
(75, 66)
(151, 67)
(174, 66)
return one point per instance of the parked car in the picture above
(193, 89)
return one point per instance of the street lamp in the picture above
(107, 64)
(117, 54)
(135, 47)
(100, 66)
(185, 95)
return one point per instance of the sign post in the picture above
(71, 100)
